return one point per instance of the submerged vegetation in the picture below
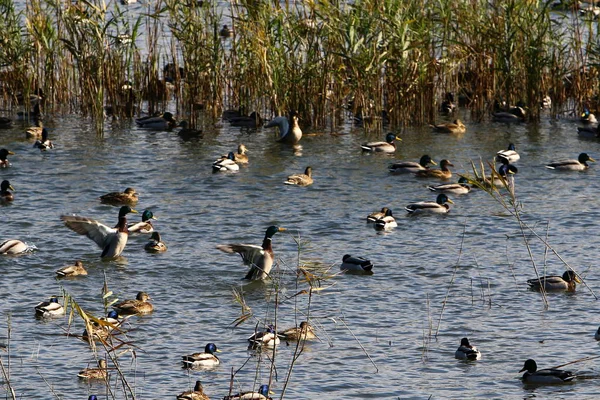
(392, 60)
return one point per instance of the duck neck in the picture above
(122, 225)
(266, 245)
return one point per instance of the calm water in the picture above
(389, 312)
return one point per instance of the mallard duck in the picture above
(50, 308)
(389, 146)
(386, 222)
(12, 246)
(297, 333)
(4, 158)
(374, 216)
(566, 282)
(128, 197)
(597, 334)
(286, 134)
(429, 207)
(254, 120)
(112, 241)
(267, 338)
(241, 157)
(467, 352)
(196, 394)
(95, 373)
(205, 359)
(462, 187)
(447, 106)
(163, 122)
(155, 244)
(589, 131)
(103, 328)
(260, 258)
(544, 376)
(5, 123)
(145, 226)
(5, 195)
(72, 270)
(588, 118)
(511, 154)
(442, 173)
(572, 165)
(226, 32)
(403, 167)
(139, 305)
(92, 397)
(506, 169)
(262, 394)
(356, 265)
(455, 127)
(224, 164)
(304, 179)
(44, 143)
(187, 132)
(515, 114)
(35, 132)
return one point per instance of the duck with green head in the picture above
(462, 187)
(155, 244)
(225, 164)
(262, 394)
(466, 351)
(554, 283)
(544, 376)
(509, 154)
(374, 216)
(386, 222)
(581, 164)
(5, 195)
(203, 359)
(4, 153)
(389, 146)
(145, 226)
(49, 308)
(44, 143)
(440, 206)
(403, 167)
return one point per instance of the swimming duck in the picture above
(241, 157)
(226, 32)
(442, 173)
(386, 222)
(103, 328)
(196, 394)
(95, 373)
(3, 158)
(428, 207)
(389, 146)
(12, 246)
(356, 265)
(572, 165)
(5, 195)
(262, 394)
(254, 120)
(597, 334)
(260, 258)
(5, 123)
(50, 308)
(267, 338)
(374, 216)
(462, 187)
(506, 169)
(226, 163)
(511, 154)
(588, 118)
(72, 270)
(544, 376)
(589, 131)
(112, 241)
(515, 114)
(455, 127)
(555, 283)
(187, 132)
(287, 135)
(140, 305)
(44, 143)
(205, 359)
(304, 179)
(145, 226)
(297, 333)
(129, 197)
(164, 122)
(411, 166)
(448, 106)
(155, 244)
(467, 352)
(35, 132)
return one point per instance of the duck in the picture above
(440, 206)
(389, 146)
(33, 114)
(103, 327)
(515, 114)
(5, 123)
(260, 258)
(304, 179)
(286, 134)
(112, 241)
(442, 173)
(145, 226)
(44, 143)
(462, 187)
(254, 120)
(163, 122)
(155, 244)
(188, 132)
(455, 127)
(12, 246)
(506, 169)
(5, 195)
(139, 305)
(127, 197)
(555, 283)
(241, 157)
(205, 359)
(226, 32)
(196, 394)
(35, 132)
(374, 216)
(224, 164)
(34, 97)
(298, 333)
(386, 222)
(50, 308)
(262, 394)
(587, 118)
(466, 351)
(590, 132)
(95, 373)
(510, 154)
(544, 376)
(597, 334)
(72, 270)
(356, 265)
(267, 338)
(403, 167)
(572, 165)
(4, 158)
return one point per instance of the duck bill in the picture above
(133, 211)
(11, 153)
(282, 230)
(433, 162)
(11, 188)
(449, 201)
(577, 279)
(398, 139)
(590, 159)
(523, 369)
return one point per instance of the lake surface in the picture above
(477, 246)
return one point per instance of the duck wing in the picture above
(251, 254)
(282, 123)
(98, 232)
